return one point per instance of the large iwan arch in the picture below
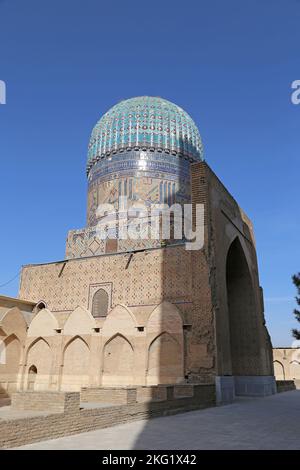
(242, 314)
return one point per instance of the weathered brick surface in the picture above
(285, 385)
(113, 395)
(154, 393)
(103, 395)
(182, 391)
(18, 432)
(173, 314)
(46, 401)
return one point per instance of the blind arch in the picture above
(100, 303)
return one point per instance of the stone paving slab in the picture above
(8, 413)
(250, 423)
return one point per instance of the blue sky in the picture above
(229, 64)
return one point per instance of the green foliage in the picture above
(296, 281)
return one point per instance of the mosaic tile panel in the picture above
(146, 122)
(141, 176)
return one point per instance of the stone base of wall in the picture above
(151, 393)
(225, 392)
(228, 387)
(297, 384)
(140, 394)
(73, 420)
(255, 386)
(285, 385)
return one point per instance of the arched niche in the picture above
(165, 360)
(43, 324)
(165, 351)
(39, 355)
(80, 322)
(13, 322)
(119, 320)
(76, 361)
(118, 361)
(279, 370)
(295, 370)
(32, 374)
(100, 303)
(11, 354)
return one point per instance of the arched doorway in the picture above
(243, 324)
(32, 373)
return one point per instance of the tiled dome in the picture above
(145, 122)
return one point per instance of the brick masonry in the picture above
(285, 385)
(17, 432)
(111, 395)
(172, 316)
(58, 402)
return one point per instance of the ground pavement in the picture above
(250, 423)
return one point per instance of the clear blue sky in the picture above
(230, 64)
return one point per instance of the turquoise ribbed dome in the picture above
(145, 122)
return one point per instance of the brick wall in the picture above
(118, 396)
(18, 432)
(183, 391)
(285, 385)
(57, 402)
(110, 395)
(199, 189)
(145, 394)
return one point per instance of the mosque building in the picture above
(119, 312)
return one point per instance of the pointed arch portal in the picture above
(243, 326)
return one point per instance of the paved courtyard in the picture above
(261, 423)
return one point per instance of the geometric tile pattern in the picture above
(148, 122)
(147, 279)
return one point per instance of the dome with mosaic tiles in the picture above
(146, 123)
